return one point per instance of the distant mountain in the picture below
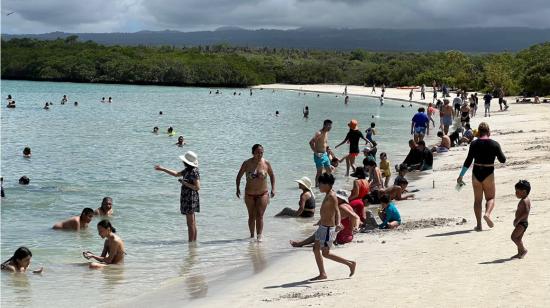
(464, 39)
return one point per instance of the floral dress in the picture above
(189, 198)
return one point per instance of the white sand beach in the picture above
(449, 265)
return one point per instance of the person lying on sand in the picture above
(113, 249)
(77, 222)
(445, 144)
(395, 192)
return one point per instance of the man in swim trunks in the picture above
(445, 144)
(446, 116)
(420, 125)
(318, 145)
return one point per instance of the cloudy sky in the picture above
(39, 16)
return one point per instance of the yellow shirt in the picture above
(385, 167)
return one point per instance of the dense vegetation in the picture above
(525, 72)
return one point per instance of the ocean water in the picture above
(83, 153)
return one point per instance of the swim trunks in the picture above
(524, 223)
(420, 130)
(441, 149)
(321, 160)
(325, 235)
(447, 120)
(353, 154)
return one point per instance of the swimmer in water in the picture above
(306, 112)
(19, 262)
(170, 131)
(155, 130)
(180, 142)
(77, 222)
(110, 100)
(27, 152)
(277, 113)
(103, 99)
(106, 208)
(113, 249)
(47, 106)
(24, 180)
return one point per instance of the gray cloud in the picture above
(38, 16)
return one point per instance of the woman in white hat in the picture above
(306, 203)
(256, 197)
(190, 185)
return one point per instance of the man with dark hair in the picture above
(426, 155)
(318, 145)
(106, 208)
(420, 125)
(77, 222)
(414, 157)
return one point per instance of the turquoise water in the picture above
(83, 153)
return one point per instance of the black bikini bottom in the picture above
(481, 173)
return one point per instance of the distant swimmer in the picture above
(103, 99)
(2, 187)
(234, 93)
(156, 130)
(180, 142)
(106, 208)
(256, 192)
(110, 100)
(27, 152)
(306, 111)
(77, 222)
(24, 180)
(76, 103)
(11, 104)
(160, 112)
(170, 131)
(217, 92)
(210, 92)
(64, 99)
(381, 99)
(113, 249)
(277, 113)
(346, 100)
(19, 262)
(250, 92)
(318, 95)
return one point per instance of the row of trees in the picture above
(526, 72)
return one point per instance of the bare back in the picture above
(114, 249)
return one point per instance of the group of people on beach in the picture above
(341, 213)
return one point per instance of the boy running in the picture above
(329, 224)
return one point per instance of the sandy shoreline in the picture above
(444, 265)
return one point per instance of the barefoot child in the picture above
(522, 213)
(385, 168)
(329, 224)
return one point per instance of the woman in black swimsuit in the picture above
(306, 204)
(482, 153)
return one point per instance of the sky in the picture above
(41, 16)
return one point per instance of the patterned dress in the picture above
(189, 198)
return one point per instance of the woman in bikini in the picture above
(256, 197)
(482, 153)
(113, 249)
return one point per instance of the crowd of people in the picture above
(341, 214)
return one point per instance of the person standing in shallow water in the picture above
(318, 145)
(482, 153)
(256, 196)
(190, 186)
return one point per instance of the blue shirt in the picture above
(420, 120)
(392, 214)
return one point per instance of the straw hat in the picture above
(353, 124)
(342, 194)
(190, 158)
(304, 181)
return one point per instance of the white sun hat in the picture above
(190, 158)
(342, 194)
(304, 181)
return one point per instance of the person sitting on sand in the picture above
(113, 249)
(445, 144)
(395, 192)
(523, 188)
(326, 233)
(180, 142)
(27, 152)
(349, 219)
(388, 212)
(427, 157)
(375, 181)
(467, 135)
(402, 171)
(76, 223)
(361, 187)
(307, 201)
(19, 262)
(413, 158)
(106, 208)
